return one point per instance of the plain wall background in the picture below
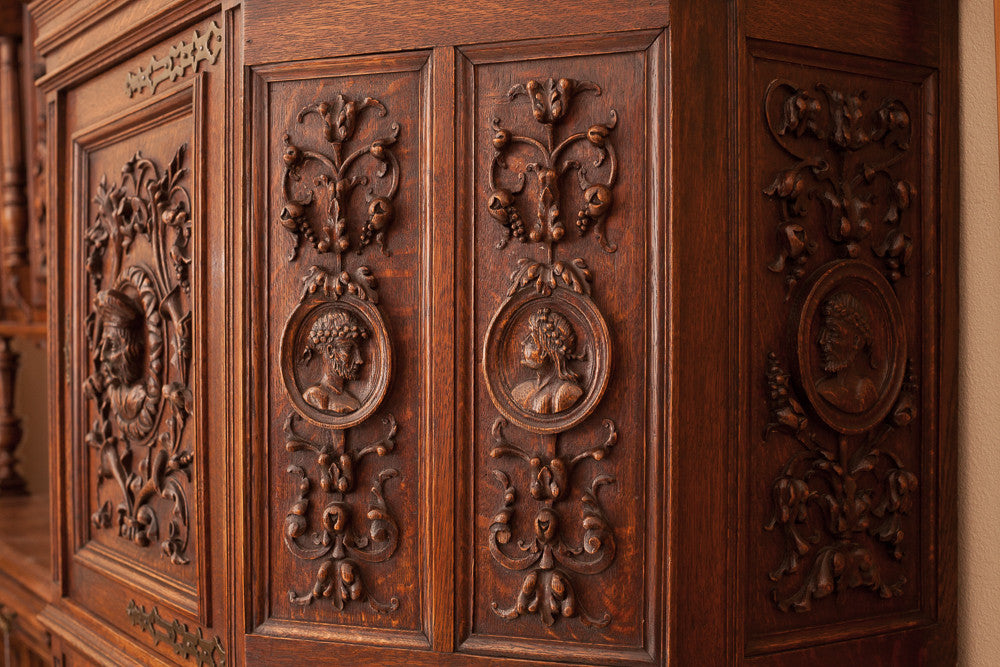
(979, 372)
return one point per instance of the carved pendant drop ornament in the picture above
(336, 354)
(843, 493)
(547, 353)
(138, 259)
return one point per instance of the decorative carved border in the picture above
(186, 644)
(204, 47)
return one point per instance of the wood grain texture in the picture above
(481, 366)
(382, 100)
(618, 252)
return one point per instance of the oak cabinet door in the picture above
(136, 203)
(340, 245)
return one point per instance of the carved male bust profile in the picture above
(547, 349)
(845, 341)
(121, 354)
(336, 338)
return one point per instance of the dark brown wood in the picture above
(479, 333)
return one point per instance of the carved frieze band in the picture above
(204, 47)
(336, 355)
(546, 354)
(139, 335)
(843, 491)
(193, 646)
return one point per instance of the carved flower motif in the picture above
(550, 100)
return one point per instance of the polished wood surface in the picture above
(479, 333)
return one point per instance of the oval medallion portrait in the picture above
(546, 359)
(336, 361)
(851, 345)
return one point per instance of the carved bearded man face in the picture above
(120, 349)
(336, 337)
(845, 332)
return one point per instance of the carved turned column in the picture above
(11, 482)
(13, 215)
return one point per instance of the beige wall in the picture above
(979, 374)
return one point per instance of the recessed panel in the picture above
(841, 480)
(564, 284)
(340, 240)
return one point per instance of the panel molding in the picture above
(922, 543)
(187, 100)
(325, 286)
(651, 47)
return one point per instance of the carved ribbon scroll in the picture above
(546, 354)
(139, 334)
(336, 355)
(843, 491)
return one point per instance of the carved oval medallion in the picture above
(546, 359)
(851, 345)
(336, 360)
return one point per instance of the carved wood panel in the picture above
(840, 448)
(341, 230)
(137, 497)
(560, 276)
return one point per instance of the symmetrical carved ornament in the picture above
(139, 335)
(336, 354)
(186, 644)
(844, 490)
(844, 152)
(546, 355)
(204, 47)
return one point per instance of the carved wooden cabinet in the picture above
(464, 333)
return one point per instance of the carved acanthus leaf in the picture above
(843, 183)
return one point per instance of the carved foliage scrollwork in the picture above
(550, 102)
(336, 355)
(860, 489)
(338, 542)
(845, 150)
(547, 349)
(139, 334)
(844, 491)
(310, 177)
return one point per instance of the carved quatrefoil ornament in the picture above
(336, 359)
(851, 345)
(546, 359)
